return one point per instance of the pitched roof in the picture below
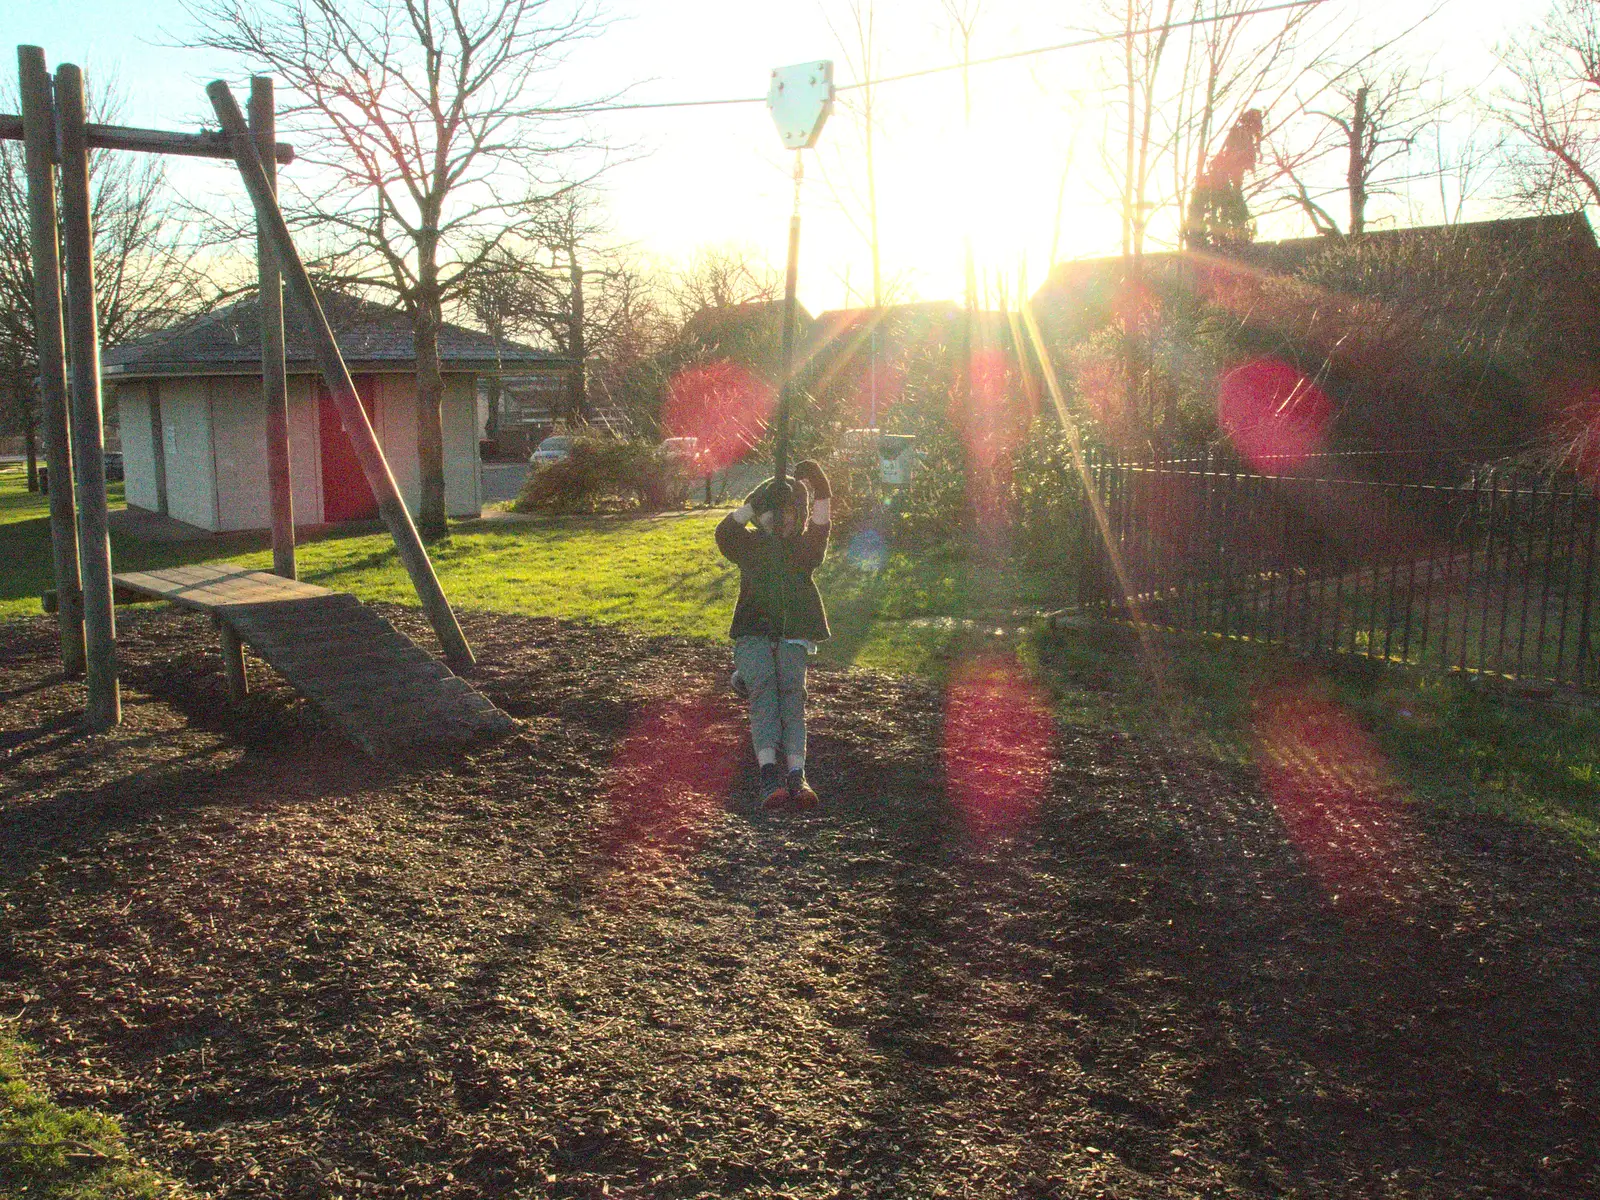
(1290, 256)
(371, 337)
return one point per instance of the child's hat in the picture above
(772, 495)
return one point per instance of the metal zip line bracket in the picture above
(800, 99)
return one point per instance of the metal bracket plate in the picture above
(800, 99)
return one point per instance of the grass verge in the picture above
(1465, 744)
(52, 1153)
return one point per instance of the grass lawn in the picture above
(659, 573)
(51, 1153)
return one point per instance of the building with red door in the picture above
(193, 417)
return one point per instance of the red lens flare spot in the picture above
(997, 744)
(1331, 788)
(674, 767)
(1274, 415)
(724, 405)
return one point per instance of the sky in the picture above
(1025, 177)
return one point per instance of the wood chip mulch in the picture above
(577, 964)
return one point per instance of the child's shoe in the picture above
(774, 788)
(801, 795)
(740, 688)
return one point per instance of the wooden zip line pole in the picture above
(413, 555)
(104, 707)
(39, 153)
(274, 368)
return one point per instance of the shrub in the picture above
(606, 475)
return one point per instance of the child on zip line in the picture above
(778, 620)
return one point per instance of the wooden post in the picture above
(391, 508)
(274, 370)
(83, 342)
(39, 142)
(232, 660)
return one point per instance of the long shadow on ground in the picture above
(575, 964)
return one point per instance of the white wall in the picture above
(239, 437)
(396, 424)
(215, 443)
(305, 450)
(463, 485)
(191, 466)
(138, 446)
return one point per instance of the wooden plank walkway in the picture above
(376, 685)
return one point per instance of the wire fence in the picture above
(1494, 575)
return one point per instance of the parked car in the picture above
(554, 449)
(683, 452)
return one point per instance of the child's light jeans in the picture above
(775, 672)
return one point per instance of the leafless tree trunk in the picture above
(964, 16)
(1381, 114)
(858, 39)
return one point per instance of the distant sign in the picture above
(800, 99)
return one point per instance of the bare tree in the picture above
(964, 16)
(1379, 117)
(434, 125)
(721, 277)
(1235, 64)
(573, 289)
(1462, 168)
(1554, 107)
(144, 276)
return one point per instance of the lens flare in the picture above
(724, 405)
(1275, 416)
(674, 767)
(1331, 788)
(997, 744)
(867, 550)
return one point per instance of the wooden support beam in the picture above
(208, 143)
(274, 369)
(88, 444)
(39, 144)
(413, 555)
(233, 660)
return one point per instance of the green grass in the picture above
(52, 1153)
(658, 573)
(1465, 744)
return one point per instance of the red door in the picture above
(345, 494)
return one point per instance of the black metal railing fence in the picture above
(1493, 573)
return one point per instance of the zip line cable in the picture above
(1096, 40)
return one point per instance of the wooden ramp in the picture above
(377, 686)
